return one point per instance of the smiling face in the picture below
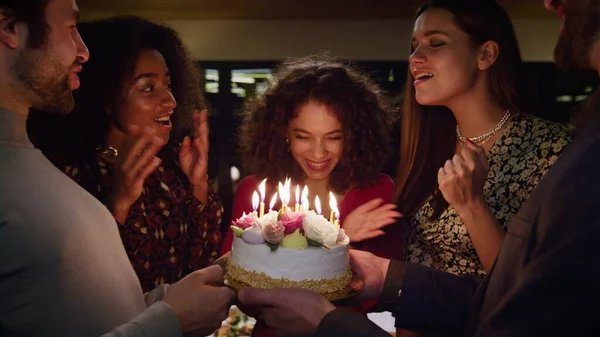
(50, 72)
(578, 32)
(316, 140)
(147, 100)
(443, 61)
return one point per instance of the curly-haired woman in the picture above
(324, 125)
(141, 75)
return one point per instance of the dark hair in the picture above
(114, 46)
(428, 135)
(360, 105)
(33, 13)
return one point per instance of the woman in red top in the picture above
(326, 126)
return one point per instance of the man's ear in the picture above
(10, 31)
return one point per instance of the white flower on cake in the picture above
(317, 228)
(342, 238)
(268, 218)
(253, 235)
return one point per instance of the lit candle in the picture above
(261, 189)
(297, 205)
(254, 202)
(304, 198)
(333, 207)
(317, 205)
(288, 191)
(273, 201)
(281, 195)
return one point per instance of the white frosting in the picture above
(307, 264)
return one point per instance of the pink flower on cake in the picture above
(246, 220)
(274, 232)
(291, 221)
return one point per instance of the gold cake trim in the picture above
(262, 280)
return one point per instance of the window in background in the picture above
(211, 81)
(246, 82)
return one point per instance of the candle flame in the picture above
(304, 197)
(333, 203)
(254, 200)
(318, 205)
(281, 191)
(297, 194)
(261, 189)
(273, 201)
(287, 187)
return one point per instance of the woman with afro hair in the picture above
(138, 142)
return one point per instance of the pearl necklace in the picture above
(485, 137)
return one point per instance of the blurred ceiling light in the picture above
(235, 174)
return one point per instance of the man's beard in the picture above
(47, 80)
(580, 32)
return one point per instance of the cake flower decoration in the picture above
(246, 221)
(291, 221)
(253, 235)
(317, 228)
(274, 232)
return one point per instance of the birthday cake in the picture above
(290, 248)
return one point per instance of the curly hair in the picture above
(114, 45)
(363, 110)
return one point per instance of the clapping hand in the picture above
(462, 178)
(135, 163)
(366, 221)
(193, 156)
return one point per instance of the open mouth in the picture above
(317, 165)
(75, 82)
(422, 76)
(164, 121)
